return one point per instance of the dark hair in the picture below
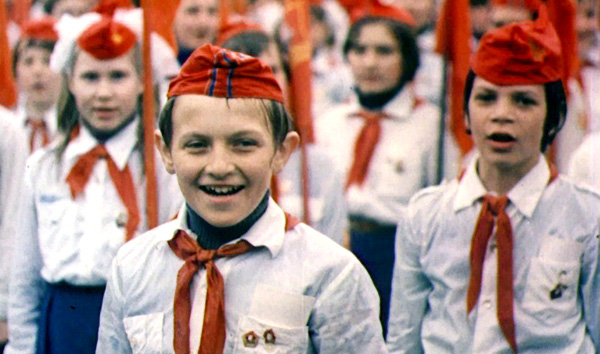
(279, 118)
(253, 43)
(404, 35)
(30, 43)
(319, 14)
(556, 107)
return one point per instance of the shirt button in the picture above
(487, 304)
(493, 247)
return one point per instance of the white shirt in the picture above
(61, 239)
(555, 228)
(327, 206)
(313, 294)
(584, 166)
(49, 118)
(403, 162)
(13, 152)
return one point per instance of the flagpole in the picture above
(149, 120)
(442, 123)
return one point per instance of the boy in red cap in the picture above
(84, 194)
(505, 258)
(38, 84)
(233, 273)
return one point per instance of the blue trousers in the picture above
(375, 250)
(70, 319)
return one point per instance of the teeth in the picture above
(221, 190)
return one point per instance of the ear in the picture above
(283, 153)
(165, 152)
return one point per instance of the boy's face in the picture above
(507, 123)
(106, 91)
(224, 155)
(34, 76)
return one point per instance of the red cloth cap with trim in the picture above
(107, 39)
(520, 54)
(234, 27)
(214, 71)
(376, 9)
(42, 28)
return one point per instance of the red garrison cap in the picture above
(521, 53)
(107, 39)
(42, 28)
(235, 26)
(376, 9)
(218, 72)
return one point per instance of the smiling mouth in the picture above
(221, 191)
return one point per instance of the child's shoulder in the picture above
(147, 246)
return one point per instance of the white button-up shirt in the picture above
(555, 228)
(404, 160)
(49, 119)
(313, 294)
(74, 241)
(13, 152)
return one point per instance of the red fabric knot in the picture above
(38, 128)
(364, 147)
(81, 172)
(493, 211)
(212, 340)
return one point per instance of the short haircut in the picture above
(253, 43)
(405, 37)
(30, 43)
(556, 107)
(280, 120)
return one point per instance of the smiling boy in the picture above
(234, 272)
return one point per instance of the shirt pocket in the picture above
(257, 336)
(145, 333)
(551, 290)
(52, 213)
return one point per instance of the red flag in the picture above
(162, 17)
(562, 15)
(453, 41)
(20, 11)
(8, 87)
(297, 18)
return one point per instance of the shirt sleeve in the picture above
(26, 284)
(345, 317)
(12, 166)
(112, 337)
(410, 288)
(590, 288)
(335, 213)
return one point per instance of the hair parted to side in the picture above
(280, 121)
(556, 107)
(404, 36)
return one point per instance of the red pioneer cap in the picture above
(521, 53)
(218, 72)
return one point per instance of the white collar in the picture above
(525, 195)
(268, 231)
(119, 147)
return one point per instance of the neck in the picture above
(212, 237)
(37, 110)
(376, 101)
(502, 178)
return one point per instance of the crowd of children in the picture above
(381, 235)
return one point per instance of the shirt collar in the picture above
(400, 107)
(119, 147)
(268, 231)
(525, 195)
